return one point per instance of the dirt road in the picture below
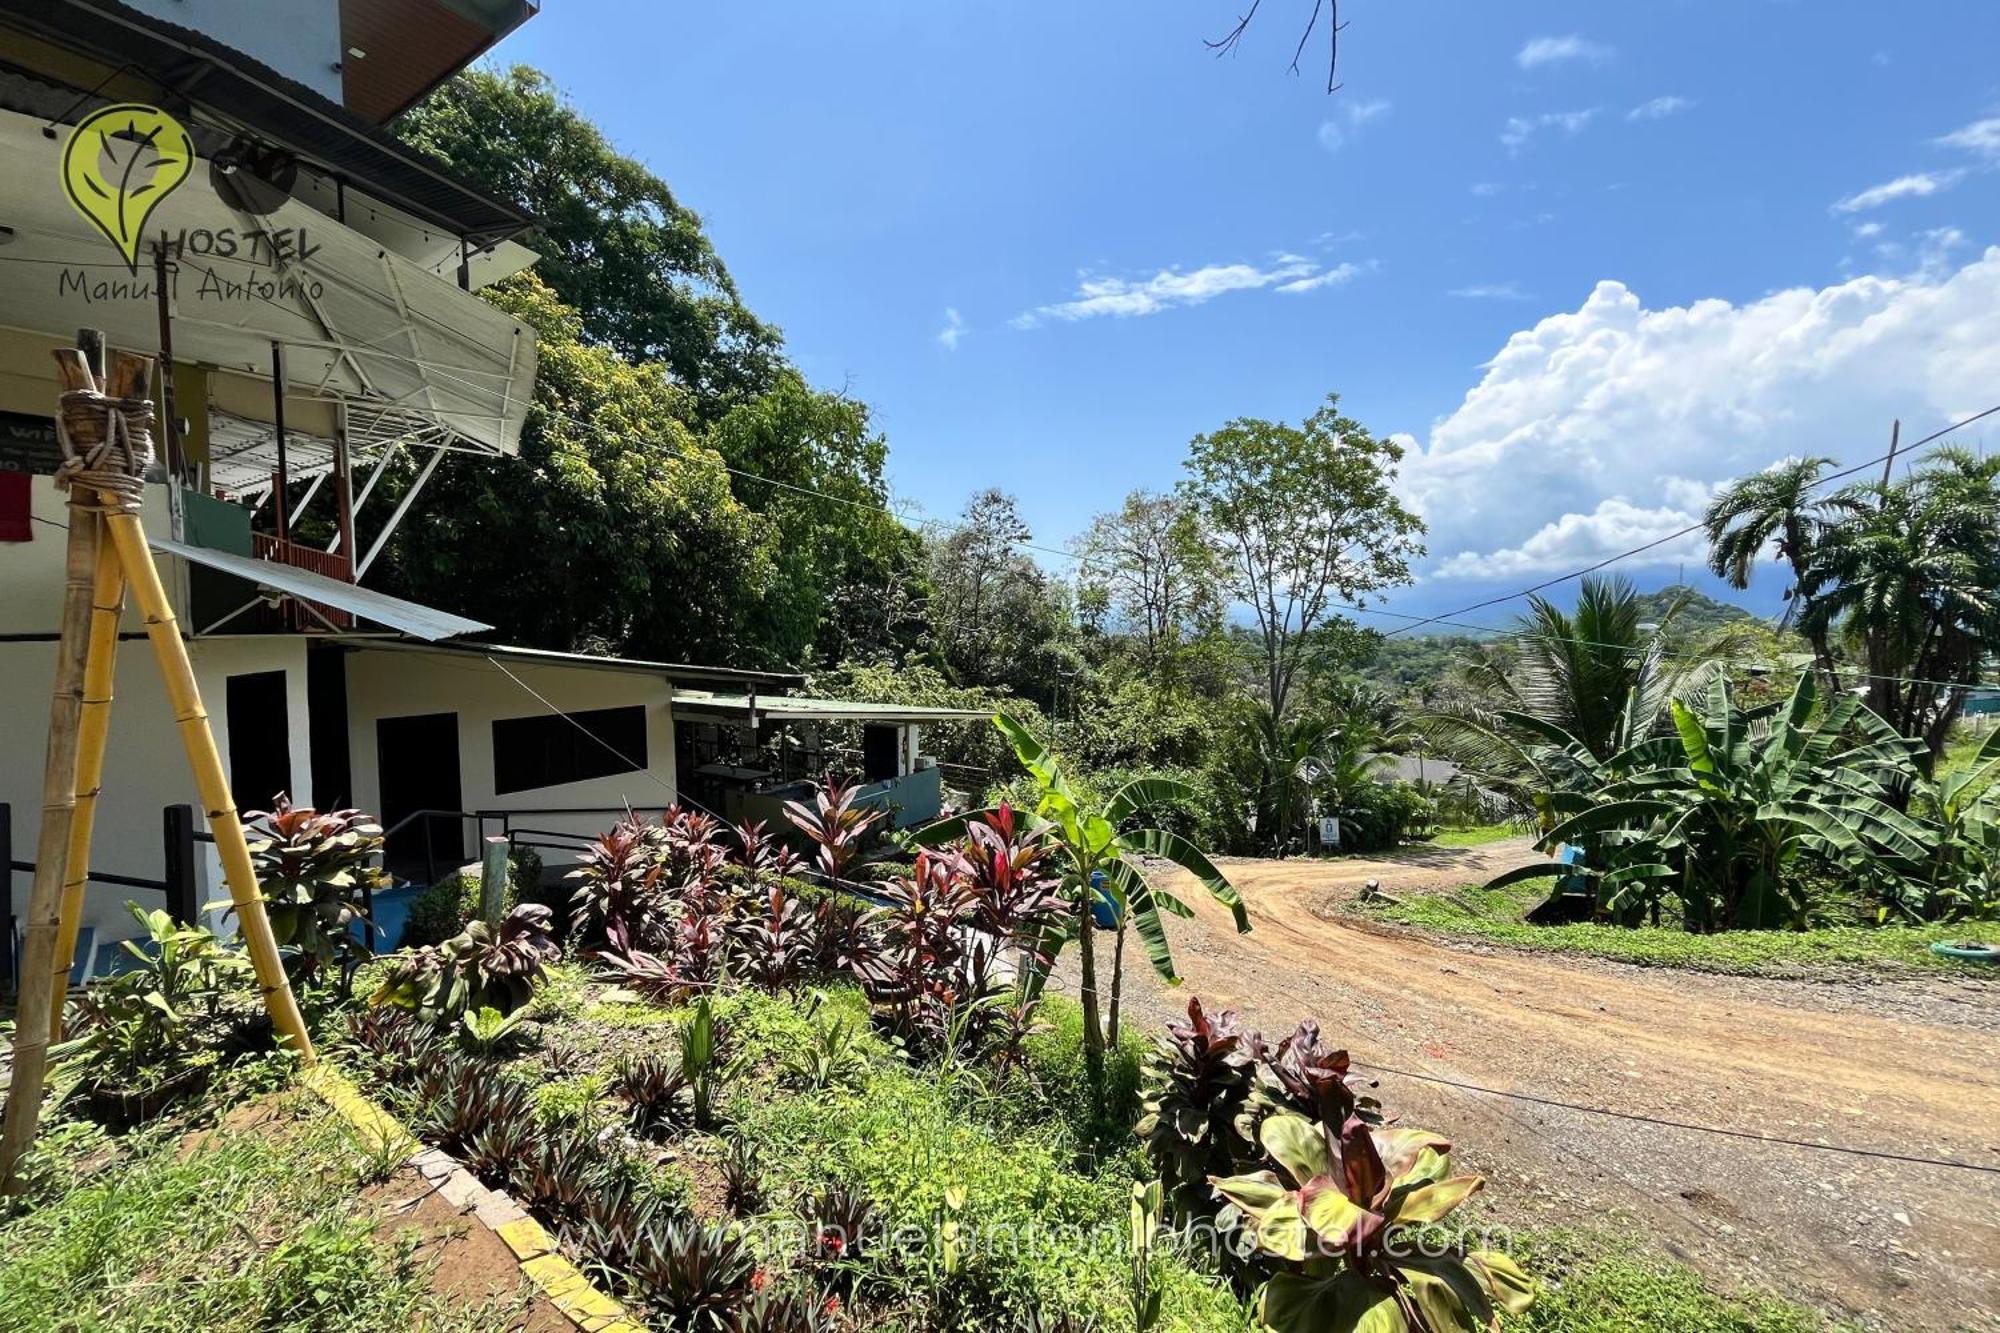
(1907, 1066)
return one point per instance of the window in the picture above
(548, 751)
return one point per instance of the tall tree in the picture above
(1154, 570)
(613, 529)
(1307, 519)
(1908, 573)
(614, 241)
(849, 581)
(1776, 507)
(996, 618)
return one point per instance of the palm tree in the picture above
(1908, 573)
(1584, 685)
(1777, 505)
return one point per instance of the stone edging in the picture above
(555, 1277)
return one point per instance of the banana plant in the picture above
(1722, 812)
(1963, 877)
(1341, 1224)
(1091, 839)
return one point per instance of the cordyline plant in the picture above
(1085, 840)
(1340, 1218)
(837, 827)
(618, 903)
(312, 867)
(1199, 1120)
(479, 968)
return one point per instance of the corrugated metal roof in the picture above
(598, 662)
(802, 709)
(421, 622)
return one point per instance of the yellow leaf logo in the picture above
(120, 164)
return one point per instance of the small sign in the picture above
(1329, 830)
(28, 444)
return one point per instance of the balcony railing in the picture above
(331, 564)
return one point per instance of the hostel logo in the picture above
(119, 165)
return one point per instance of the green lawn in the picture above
(1476, 836)
(1497, 915)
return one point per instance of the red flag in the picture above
(16, 524)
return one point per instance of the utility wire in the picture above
(1414, 622)
(1638, 1118)
(1695, 527)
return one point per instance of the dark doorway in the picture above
(416, 759)
(260, 739)
(326, 713)
(881, 751)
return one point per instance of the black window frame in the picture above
(556, 749)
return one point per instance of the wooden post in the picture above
(177, 839)
(493, 881)
(100, 669)
(223, 821)
(59, 771)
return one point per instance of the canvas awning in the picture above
(798, 708)
(408, 357)
(419, 622)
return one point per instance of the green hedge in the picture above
(443, 909)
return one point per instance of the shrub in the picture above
(1199, 1083)
(446, 907)
(311, 868)
(1375, 815)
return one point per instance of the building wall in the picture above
(145, 768)
(399, 683)
(298, 38)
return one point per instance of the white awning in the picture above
(704, 703)
(409, 356)
(419, 622)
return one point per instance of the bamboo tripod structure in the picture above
(105, 426)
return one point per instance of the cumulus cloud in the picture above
(1335, 133)
(1127, 297)
(1660, 108)
(953, 330)
(1559, 50)
(1521, 130)
(1605, 427)
(1913, 186)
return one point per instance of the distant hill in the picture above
(1700, 616)
(1406, 663)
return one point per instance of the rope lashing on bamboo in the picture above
(114, 467)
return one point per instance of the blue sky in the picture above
(1591, 258)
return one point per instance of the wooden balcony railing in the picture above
(330, 564)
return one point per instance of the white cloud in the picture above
(1333, 277)
(1170, 287)
(1863, 230)
(1598, 429)
(1334, 133)
(1660, 108)
(1490, 291)
(1557, 50)
(953, 330)
(1487, 189)
(1913, 186)
(1520, 130)
(1981, 136)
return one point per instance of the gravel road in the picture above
(1905, 1065)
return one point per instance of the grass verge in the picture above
(253, 1229)
(1596, 1284)
(1479, 835)
(1498, 915)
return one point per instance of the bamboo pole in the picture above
(59, 772)
(223, 821)
(100, 669)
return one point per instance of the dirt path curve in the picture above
(1907, 1065)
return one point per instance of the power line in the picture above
(1642, 1119)
(1694, 527)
